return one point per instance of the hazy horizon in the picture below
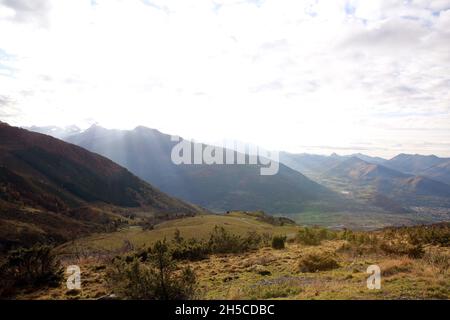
(319, 77)
(229, 142)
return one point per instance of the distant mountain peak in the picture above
(413, 163)
(356, 158)
(417, 155)
(147, 129)
(334, 154)
(95, 126)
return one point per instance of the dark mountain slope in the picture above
(357, 169)
(76, 173)
(50, 188)
(440, 172)
(413, 163)
(369, 159)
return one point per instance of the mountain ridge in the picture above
(47, 182)
(404, 188)
(146, 153)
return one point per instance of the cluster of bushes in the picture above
(400, 248)
(407, 241)
(315, 236)
(192, 249)
(220, 241)
(359, 238)
(29, 268)
(267, 218)
(153, 276)
(361, 244)
(152, 273)
(438, 234)
(392, 241)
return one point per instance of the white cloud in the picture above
(284, 73)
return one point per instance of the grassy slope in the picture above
(191, 227)
(238, 276)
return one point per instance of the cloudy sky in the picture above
(304, 76)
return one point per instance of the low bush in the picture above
(191, 249)
(437, 234)
(402, 248)
(278, 242)
(314, 236)
(222, 241)
(29, 268)
(154, 278)
(315, 262)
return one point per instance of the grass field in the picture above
(193, 227)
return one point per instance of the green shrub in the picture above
(278, 242)
(191, 249)
(221, 241)
(29, 268)
(309, 237)
(415, 252)
(437, 234)
(402, 248)
(156, 278)
(253, 240)
(315, 262)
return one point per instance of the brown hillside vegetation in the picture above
(315, 263)
(53, 191)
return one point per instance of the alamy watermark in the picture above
(374, 280)
(74, 280)
(188, 152)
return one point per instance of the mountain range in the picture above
(147, 153)
(399, 183)
(304, 183)
(430, 166)
(406, 189)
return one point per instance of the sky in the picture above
(314, 76)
